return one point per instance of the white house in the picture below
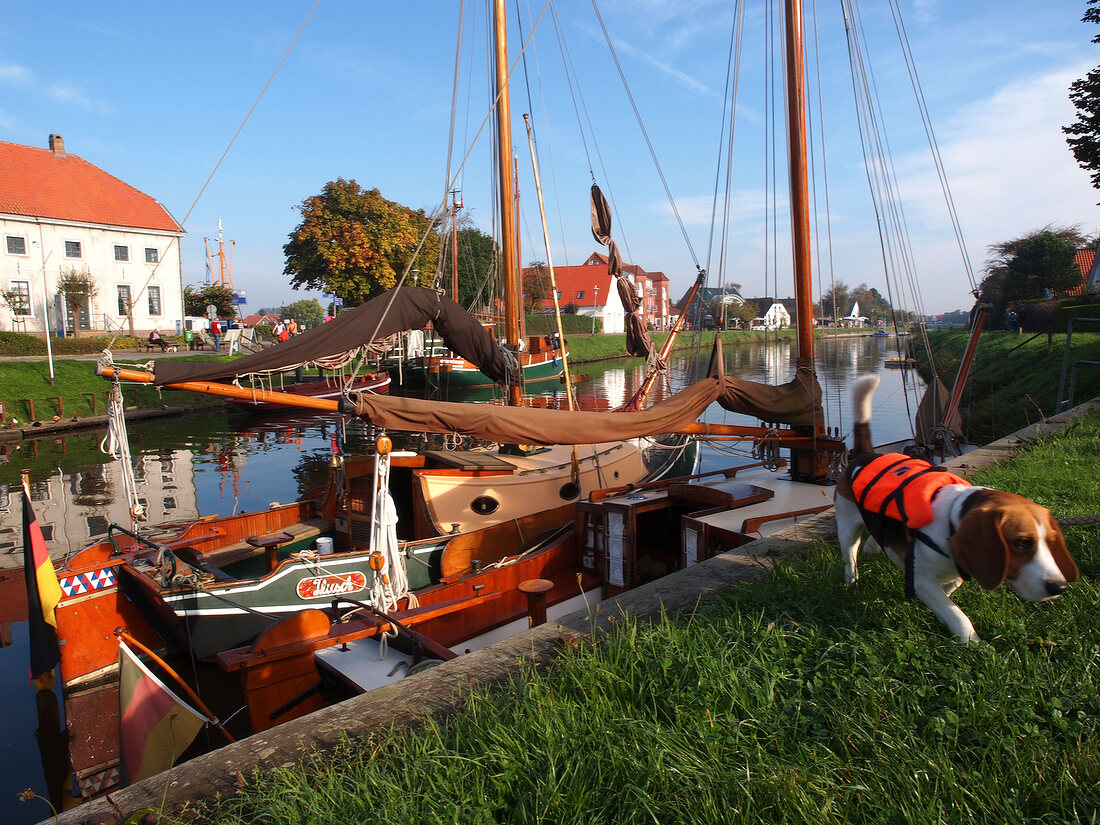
(58, 214)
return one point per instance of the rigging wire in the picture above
(645, 135)
(214, 171)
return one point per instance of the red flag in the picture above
(156, 725)
(43, 592)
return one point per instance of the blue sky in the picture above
(153, 93)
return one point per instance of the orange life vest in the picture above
(899, 487)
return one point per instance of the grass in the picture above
(1015, 378)
(793, 699)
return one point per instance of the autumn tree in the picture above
(356, 244)
(1084, 93)
(197, 298)
(1038, 265)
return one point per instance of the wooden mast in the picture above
(509, 253)
(799, 174)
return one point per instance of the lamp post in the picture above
(595, 308)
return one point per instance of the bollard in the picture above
(60, 405)
(94, 398)
(536, 590)
(30, 405)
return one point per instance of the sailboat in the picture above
(587, 521)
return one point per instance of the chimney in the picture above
(57, 145)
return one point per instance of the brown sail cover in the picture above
(797, 403)
(637, 336)
(398, 310)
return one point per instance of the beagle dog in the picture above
(941, 530)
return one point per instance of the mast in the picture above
(509, 253)
(800, 202)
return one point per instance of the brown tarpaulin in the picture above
(797, 403)
(395, 311)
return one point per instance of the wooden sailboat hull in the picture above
(539, 363)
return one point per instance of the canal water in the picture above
(220, 462)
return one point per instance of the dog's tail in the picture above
(862, 390)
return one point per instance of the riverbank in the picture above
(754, 686)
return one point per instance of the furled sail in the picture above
(797, 403)
(329, 345)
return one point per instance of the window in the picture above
(559, 294)
(47, 531)
(151, 256)
(73, 250)
(96, 525)
(123, 299)
(154, 300)
(122, 253)
(21, 292)
(580, 295)
(17, 245)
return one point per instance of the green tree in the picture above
(1039, 265)
(307, 312)
(355, 243)
(197, 298)
(1084, 93)
(476, 264)
(536, 285)
(79, 289)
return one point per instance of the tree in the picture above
(307, 312)
(476, 263)
(536, 285)
(197, 299)
(1084, 93)
(1039, 265)
(355, 243)
(79, 289)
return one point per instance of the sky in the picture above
(156, 94)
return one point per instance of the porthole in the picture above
(484, 505)
(569, 491)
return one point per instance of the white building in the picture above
(59, 214)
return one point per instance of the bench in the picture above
(169, 341)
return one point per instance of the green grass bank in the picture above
(1014, 381)
(791, 699)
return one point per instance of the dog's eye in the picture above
(1022, 544)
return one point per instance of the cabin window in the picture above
(154, 300)
(21, 295)
(151, 256)
(123, 292)
(17, 245)
(484, 505)
(74, 249)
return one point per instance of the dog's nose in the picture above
(1055, 588)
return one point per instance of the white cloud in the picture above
(16, 75)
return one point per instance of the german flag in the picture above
(43, 592)
(156, 726)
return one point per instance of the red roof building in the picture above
(60, 214)
(590, 289)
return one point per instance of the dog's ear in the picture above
(980, 549)
(1057, 545)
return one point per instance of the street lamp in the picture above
(595, 307)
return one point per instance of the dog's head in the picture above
(1006, 536)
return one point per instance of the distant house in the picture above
(59, 213)
(260, 320)
(589, 289)
(1090, 272)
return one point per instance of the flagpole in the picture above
(130, 640)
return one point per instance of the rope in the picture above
(1079, 520)
(117, 445)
